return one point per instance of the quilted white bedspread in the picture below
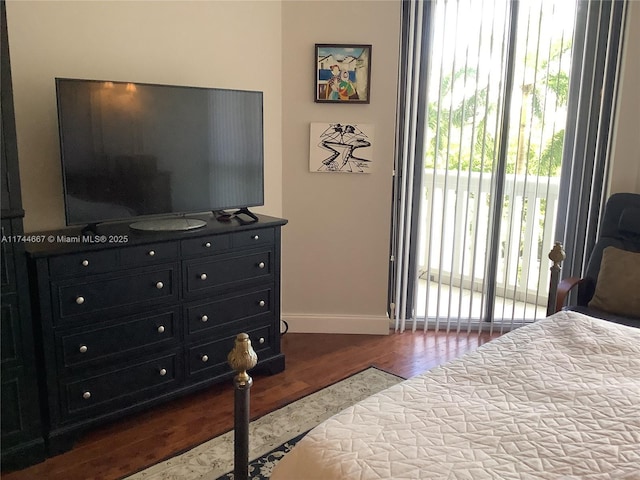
(558, 399)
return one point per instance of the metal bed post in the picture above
(556, 255)
(241, 359)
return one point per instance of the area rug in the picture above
(272, 435)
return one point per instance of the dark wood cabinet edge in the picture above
(9, 214)
(23, 455)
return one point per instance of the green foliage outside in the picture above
(462, 133)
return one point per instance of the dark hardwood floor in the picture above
(313, 361)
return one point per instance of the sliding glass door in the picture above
(488, 160)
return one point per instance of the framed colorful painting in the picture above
(343, 73)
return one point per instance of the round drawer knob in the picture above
(85, 263)
(204, 318)
(151, 253)
(86, 395)
(203, 276)
(261, 265)
(83, 349)
(262, 303)
(163, 372)
(205, 358)
(161, 329)
(256, 237)
(159, 285)
(80, 300)
(261, 341)
(207, 245)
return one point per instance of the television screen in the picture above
(131, 149)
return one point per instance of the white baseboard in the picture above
(306, 323)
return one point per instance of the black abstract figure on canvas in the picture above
(343, 141)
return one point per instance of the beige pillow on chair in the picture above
(618, 285)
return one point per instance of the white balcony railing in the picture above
(455, 233)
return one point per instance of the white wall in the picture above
(336, 245)
(226, 44)
(625, 171)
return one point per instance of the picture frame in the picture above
(342, 73)
(341, 147)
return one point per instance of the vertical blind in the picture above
(482, 117)
(584, 170)
(410, 134)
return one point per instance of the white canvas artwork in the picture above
(341, 147)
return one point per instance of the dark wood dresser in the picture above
(125, 320)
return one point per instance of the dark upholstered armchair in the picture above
(610, 288)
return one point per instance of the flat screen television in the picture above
(132, 150)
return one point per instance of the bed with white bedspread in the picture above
(557, 399)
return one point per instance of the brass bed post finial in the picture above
(241, 359)
(556, 255)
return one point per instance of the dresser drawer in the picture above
(87, 263)
(101, 293)
(227, 271)
(210, 359)
(207, 316)
(148, 254)
(122, 385)
(134, 334)
(208, 245)
(263, 339)
(250, 238)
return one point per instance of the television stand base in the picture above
(90, 229)
(168, 224)
(246, 212)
